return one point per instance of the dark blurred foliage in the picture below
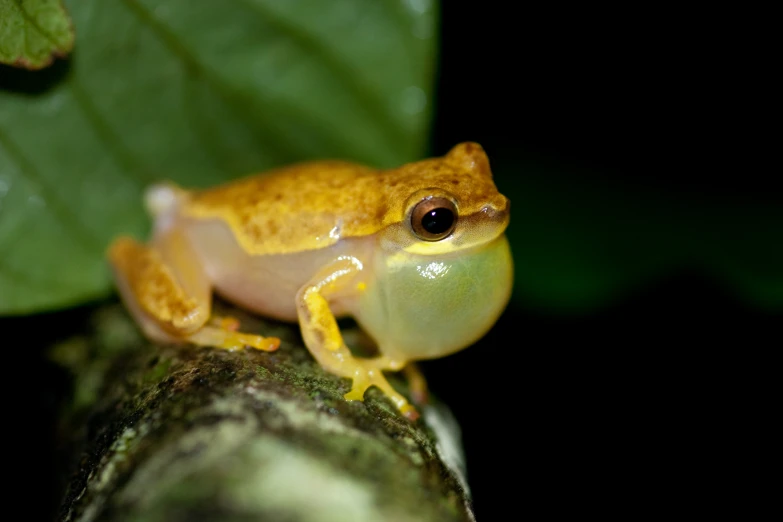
(657, 393)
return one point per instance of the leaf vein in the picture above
(81, 234)
(55, 43)
(202, 130)
(129, 167)
(342, 71)
(237, 100)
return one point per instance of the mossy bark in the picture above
(164, 433)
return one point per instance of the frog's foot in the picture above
(417, 384)
(225, 336)
(369, 372)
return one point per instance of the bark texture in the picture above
(162, 433)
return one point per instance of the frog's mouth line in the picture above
(474, 232)
(466, 249)
(499, 216)
(482, 226)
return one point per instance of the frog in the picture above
(416, 255)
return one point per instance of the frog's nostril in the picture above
(497, 210)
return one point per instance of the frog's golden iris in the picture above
(433, 218)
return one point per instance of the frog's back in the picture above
(301, 207)
(310, 206)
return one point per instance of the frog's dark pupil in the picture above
(437, 220)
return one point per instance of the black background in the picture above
(663, 395)
(658, 397)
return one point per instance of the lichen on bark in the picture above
(185, 433)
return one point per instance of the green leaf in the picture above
(579, 244)
(33, 32)
(197, 92)
(742, 246)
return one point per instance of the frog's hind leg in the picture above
(169, 295)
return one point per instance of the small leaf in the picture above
(33, 32)
(198, 93)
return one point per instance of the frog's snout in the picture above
(498, 210)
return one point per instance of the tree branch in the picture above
(166, 433)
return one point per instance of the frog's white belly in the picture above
(268, 284)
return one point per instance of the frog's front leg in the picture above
(169, 295)
(322, 336)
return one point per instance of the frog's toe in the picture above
(354, 395)
(266, 344)
(409, 411)
(360, 385)
(231, 340)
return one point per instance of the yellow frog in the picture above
(416, 255)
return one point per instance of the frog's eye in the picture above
(434, 218)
